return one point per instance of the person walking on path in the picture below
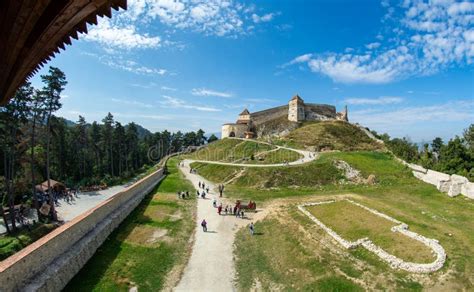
(221, 190)
(204, 225)
(199, 184)
(219, 209)
(251, 228)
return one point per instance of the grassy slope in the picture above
(330, 135)
(398, 194)
(278, 156)
(230, 150)
(308, 175)
(130, 256)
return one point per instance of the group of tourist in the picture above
(203, 190)
(183, 195)
(228, 209)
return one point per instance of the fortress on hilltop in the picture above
(296, 111)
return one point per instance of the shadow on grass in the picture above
(95, 269)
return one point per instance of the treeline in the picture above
(36, 145)
(454, 157)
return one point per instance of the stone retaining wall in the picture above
(392, 260)
(49, 263)
(453, 185)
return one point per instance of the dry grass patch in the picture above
(144, 235)
(353, 222)
(160, 212)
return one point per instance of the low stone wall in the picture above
(392, 260)
(453, 185)
(50, 263)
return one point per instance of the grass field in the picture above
(292, 253)
(150, 248)
(353, 222)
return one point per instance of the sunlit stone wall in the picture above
(49, 263)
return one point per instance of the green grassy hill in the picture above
(239, 151)
(230, 150)
(330, 135)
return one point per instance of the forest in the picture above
(36, 145)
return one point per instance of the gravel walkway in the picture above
(84, 201)
(211, 265)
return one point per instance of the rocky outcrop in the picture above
(392, 260)
(353, 175)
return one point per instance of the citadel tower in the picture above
(296, 109)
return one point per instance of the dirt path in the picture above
(211, 266)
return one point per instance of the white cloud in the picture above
(211, 17)
(209, 92)
(300, 59)
(383, 100)
(264, 18)
(131, 102)
(428, 38)
(125, 37)
(173, 102)
(168, 88)
(132, 66)
(145, 86)
(372, 46)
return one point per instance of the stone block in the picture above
(435, 177)
(454, 189)
(444, 186)
(458, 179)
(467, 190)
(418, 168)
(418, 175)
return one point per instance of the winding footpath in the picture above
(308, 156)
(211, 265)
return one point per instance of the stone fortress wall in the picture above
(315, 112)
(50, 263)
(295, 111)
(264, 116)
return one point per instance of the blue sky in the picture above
(402, 67)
